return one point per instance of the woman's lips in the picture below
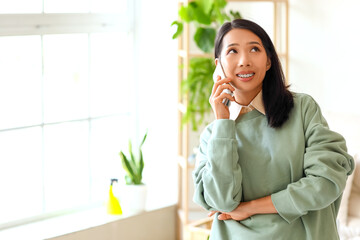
(245, 76)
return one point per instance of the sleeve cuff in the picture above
(284, 206)
(224, 128)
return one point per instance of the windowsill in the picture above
(66, 224)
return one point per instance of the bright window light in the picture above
(66, 172)
(108, 6)
(65, 82)
(110, 73)
(65, 77)
(20, 81)
(20, 6)
(66, 6)
(21, 174)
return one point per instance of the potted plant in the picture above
(206, 16)
(134, 195)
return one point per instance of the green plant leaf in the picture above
(141, 159)
(127, 166)
(235, 15)
(179, 29)
(141, 165)
(198, 86)
(144, 138)
(206, 5)
(218, 9)
(133, 167)
(201, 16)
(204, 38)
(221, 4)
(132, 158)
(219, 16)
(186, 13)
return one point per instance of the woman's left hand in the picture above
(238, 214)
(245, 210)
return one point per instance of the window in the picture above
(65, 71)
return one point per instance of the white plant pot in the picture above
(133, 198)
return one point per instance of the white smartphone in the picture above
(219, 71)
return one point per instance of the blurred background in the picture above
(80, 78)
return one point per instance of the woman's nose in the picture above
(244, 60)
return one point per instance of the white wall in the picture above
(324, 50)
(324, 60)
(156, 73)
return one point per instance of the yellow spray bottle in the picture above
(113, 205)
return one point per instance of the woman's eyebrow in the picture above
(232, 44)
(254, 42)
(249, 43)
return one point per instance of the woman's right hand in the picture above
(217, 97)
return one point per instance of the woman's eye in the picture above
(232, 51)
(255, 49)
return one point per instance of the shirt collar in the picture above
(257, 103)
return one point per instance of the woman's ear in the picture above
(216, 61)
(268, 64)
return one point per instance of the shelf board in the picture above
(195, 215)
(201, 226)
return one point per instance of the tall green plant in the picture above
(206, 16)
(198, 86)
(132, 165)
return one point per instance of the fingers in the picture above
(225, 87)
(221, 92)
(215, 86)
(224, 216)
(219, 99)
(210, 214)
(220, 82)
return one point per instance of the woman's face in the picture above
(244, 60)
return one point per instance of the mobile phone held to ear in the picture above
(219, 71)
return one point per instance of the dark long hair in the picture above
(278, 100)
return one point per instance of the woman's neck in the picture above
(245, 98)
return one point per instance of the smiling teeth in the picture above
(245, 75)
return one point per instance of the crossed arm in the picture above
(247, 209)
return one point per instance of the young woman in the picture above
(268, 166)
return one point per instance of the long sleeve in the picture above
(326, 166)
(218, 177)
